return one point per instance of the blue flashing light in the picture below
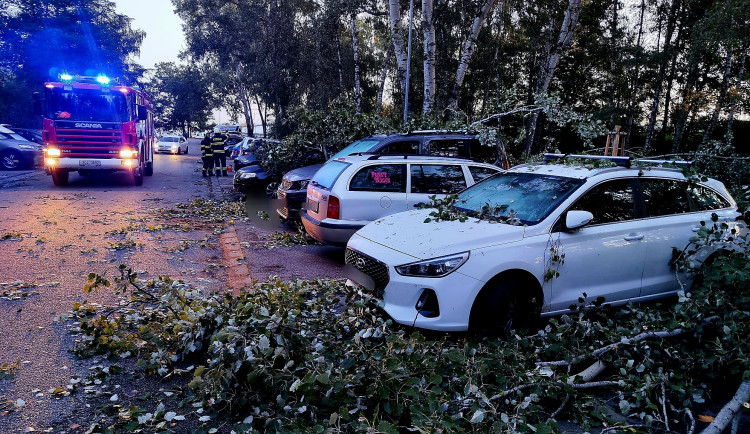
(102, 79)
(66, 77)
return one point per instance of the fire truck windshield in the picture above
(87, 105)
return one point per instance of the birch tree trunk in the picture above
(720, 99)
(244, 98)
(341, 69)
(636, 78)
(428, 26)
(383, 76)
(262, 116)
(357, 88)
(682, 115)
(728, 135)
(468, 50)
(671, 19)
(398, 42)
(570, 21)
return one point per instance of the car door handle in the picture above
(633, 237)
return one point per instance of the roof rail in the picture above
(620, 161)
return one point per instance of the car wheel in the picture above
(60, 177)
(271, 190)
(186, 149)
(138, 174)
(149, 171)
(504, 305)
(11, 160)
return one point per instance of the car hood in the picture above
(303, 173)
(247, 159)
(408, 233)
(13, 143)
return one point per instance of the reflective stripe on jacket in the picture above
(217, 145)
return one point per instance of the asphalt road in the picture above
(51, 238)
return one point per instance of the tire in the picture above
(186, 149)
(11, 160)
(179, 151)
(149, 170)
(138, 174)
(60, 177)
(505, 304)
(271, 190)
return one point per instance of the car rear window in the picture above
(358, 146)
(329, 173)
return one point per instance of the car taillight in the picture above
(334, 208)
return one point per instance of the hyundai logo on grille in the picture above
(87, 125)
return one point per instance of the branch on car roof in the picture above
(522, 109)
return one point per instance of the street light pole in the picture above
(408, 63)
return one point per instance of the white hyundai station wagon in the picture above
(536, 239)
(349, 192)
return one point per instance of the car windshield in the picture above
(328, 174)
(87, 105)
(12, 136)
(364, 145)
(168, 139)
(529, 197)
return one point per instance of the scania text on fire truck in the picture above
(94, 124)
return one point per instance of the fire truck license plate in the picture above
(89, 163)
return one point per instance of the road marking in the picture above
(238, 270)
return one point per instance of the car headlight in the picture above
(300, 185)
(246, 175)
(23, 146)
(435, 267)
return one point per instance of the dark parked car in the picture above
(250, 175)
(293, 189)
(17, 152)
(29, 134)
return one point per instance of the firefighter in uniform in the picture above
(220, 158)
(207, 156)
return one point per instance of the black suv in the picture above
(293, 189)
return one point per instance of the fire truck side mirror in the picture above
(142, 112)
(38, 101)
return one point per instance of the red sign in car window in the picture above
(380, 177)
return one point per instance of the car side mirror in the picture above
(142, 112)
(577, 219)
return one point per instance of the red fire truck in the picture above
(94, 124)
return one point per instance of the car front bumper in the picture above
(93, 164)
(291, 203)
(455, 292)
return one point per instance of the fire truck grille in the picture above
(377, 270)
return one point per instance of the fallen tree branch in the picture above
(576, 386)
(730, 410)
(625, 341)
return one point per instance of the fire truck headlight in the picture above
(127, 153)
(128, 163)
(53, 152)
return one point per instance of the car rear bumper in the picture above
(330, 231)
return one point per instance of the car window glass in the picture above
(329, 173)
(358, 146)
(448, 148)
(706, 199)
(437, 179)
(409, 147)
(382, 177)
(610, 201)
(479, 152)
(528, 196)
(479, 173)
(664, 197)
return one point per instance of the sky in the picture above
(164, 37)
